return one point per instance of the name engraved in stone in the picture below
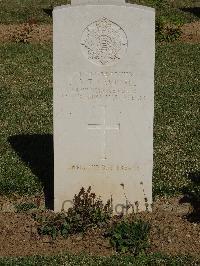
(101, 167)
(101, 85)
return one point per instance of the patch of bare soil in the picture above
(19, 237)
(41, 33)
(26, 33)
(191, 32)
(171, 233)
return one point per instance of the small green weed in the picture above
(130, 236)
(87, 211)
(53, 225)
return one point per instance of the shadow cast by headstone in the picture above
(37, 152)
(193, 10)
(48, 11)
(192, 196)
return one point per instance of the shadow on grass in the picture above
(193, 10)
(37, 152)
(192, 196)
(48, 11)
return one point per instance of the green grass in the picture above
(26, 114)
(26, 109)
(72, 260)
(19, 11)
(176, 126)
(26, 121)
(170, 11)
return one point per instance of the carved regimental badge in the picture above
(104, 42)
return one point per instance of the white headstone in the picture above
(104, 102)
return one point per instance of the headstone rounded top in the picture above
(104, 42)
(97, 2)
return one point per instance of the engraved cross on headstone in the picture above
(104, 128)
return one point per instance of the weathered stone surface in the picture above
(103, 102)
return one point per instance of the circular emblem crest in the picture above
(104, 42)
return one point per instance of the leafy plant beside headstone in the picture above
(87, 211)
(130, 236)
(53, 225)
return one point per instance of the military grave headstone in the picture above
(104, 102)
